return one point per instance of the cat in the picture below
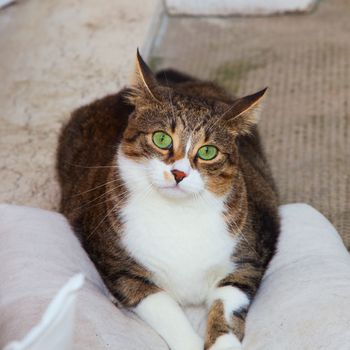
(167, 186)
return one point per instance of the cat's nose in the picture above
(178, 175)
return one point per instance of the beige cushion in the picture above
(302, 304)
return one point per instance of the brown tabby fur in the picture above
(92, 189)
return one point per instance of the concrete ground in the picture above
(305, 60)
(55, 56)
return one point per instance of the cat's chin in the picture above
(174, 192)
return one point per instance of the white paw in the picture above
(227, 342)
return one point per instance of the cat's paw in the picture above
(227, 342)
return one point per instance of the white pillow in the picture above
(55, 330)
(302, 303)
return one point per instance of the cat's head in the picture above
(181, 144)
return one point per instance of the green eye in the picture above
(162, 140)
(207, 152)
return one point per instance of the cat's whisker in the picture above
(241, 234)
(220, 118)
(228, 110)
(91, 167)
(121, 197)
(95, 199)
(94, 205)
(100, 223)
(213, 124)
(146, 193)
(94, 188)
(117, 178)
(114, 188)
(204, 200)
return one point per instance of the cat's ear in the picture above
(144, 82)
(244, 113)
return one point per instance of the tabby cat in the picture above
(167, 187)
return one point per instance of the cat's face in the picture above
(180, 145)
(182, 150)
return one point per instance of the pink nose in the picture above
(178, 175)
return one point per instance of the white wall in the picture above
(234, 7)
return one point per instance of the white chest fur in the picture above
(184, 244)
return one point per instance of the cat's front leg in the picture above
(134, 290)
(226, 317)
(167, 318)
(228, 305)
